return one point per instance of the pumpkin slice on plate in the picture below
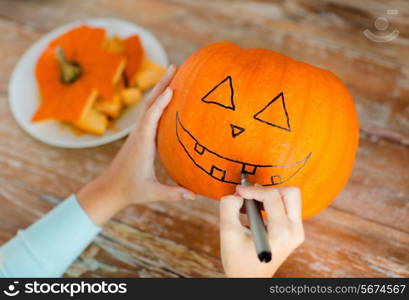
(114, 44)
(133, 54)
(148, 74)
(70, 69)
(111, 107)
(91, 120)
(131, 95)
(131, 48)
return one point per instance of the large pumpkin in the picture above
(281, 121)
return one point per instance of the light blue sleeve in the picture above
(49, 246)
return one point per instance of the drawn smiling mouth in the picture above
(228, 170)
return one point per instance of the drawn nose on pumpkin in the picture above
(236, 130)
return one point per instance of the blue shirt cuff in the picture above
(49, 246)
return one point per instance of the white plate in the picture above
(23, 91)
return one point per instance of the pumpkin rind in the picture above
(318, 144)
(133, 54)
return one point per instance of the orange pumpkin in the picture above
(283, 122)
(70, 69)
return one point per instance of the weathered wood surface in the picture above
(365, 232)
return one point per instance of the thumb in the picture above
(143, 135)
(153, 114)
(155, 92)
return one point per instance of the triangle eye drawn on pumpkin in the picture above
(275, 113)
(222, 94)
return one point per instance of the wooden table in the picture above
(365, 232)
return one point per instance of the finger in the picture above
(271, 199)
(153, 95)
(150, 121)
(159, 87)
(173, 193)
(252, 192)
(274, 207)
(143, 135)
(261, 194)
(291, 197)
(230, 213)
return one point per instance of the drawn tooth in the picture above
(276, 179)
(199, 148)
(249, 169)
(217, 173)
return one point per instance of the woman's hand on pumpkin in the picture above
(284, 228)
(131, 175)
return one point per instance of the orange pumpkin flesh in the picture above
(111, 107)
(283, 122)
(148, 74)
(66, 101)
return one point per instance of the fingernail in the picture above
(171, 68)
(167, 92)
(189, 196)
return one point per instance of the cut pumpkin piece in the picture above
(111, 108)
(93, 122)
(90, 119)
(132, 50)
(133, 54)
(131, 96)
(69, 69)
(148, 75)
(114, 44)
(116, 79)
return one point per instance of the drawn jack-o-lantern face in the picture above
(280, 121)
(225, 168)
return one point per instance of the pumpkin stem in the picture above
(69, 70)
